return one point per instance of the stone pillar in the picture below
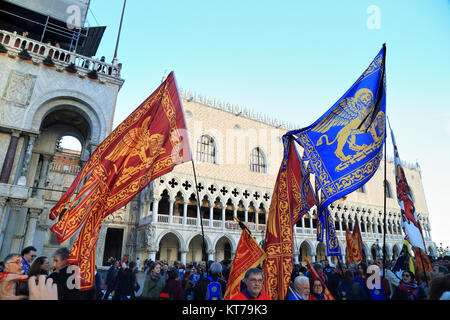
(171, 203)
(313, 257)
(183, 257)
(16, 204)
(43, 175)
(296, 261)
(257, 219)
(198, 216)
(155, 211)
(303, 224)
(211, 212)
(211, 255)
(3, 209)
(185, 205)
(152, 255)
(9, 158)
(31, 227)
(246, 214)
(311, 224)
(26, 160)
(223, 216)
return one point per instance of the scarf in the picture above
(411, 290)
(155, 277)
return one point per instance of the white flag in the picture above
(410, 220)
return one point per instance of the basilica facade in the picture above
(48, 93)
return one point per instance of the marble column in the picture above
(198, 216)
(171, 203)
(211, 212)
(26, 160)
(3, 209)
(296, 261)
(16, 205)
(155, 211)
(246, 215)
(185, 205)
(313, 257)
(223, 217)
(183, 257)
(9, 158)
(152, 255)
(211, 255)
(31, 227)
(43, 175)
(311, 224)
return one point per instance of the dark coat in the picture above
(61, 279)
(125, 281)
(173, 287)
(111, 276)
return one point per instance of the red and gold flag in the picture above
(316, 276)
(354, 252)
(285, 208)
(149, 143)
(421, 261)
(349, 246)
(358, 254)
(248, 255)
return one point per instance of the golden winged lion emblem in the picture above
(354, 116)
(137, 142)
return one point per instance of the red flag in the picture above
(149, 143)
(422, 261)
(349, 246)
(316, 276)
(358, 254)
(248, 255)
(410, 218)
(354, 251)
(284, 211)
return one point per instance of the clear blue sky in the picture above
(293, 60)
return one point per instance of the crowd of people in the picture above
(26, 276)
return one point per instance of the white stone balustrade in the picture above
(14, 43)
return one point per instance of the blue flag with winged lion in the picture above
(344, 147)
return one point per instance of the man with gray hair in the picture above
(300, 289)
(253, 281)
(66, 277)
(212, 287)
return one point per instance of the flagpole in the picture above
(120, 29)
(200, 215)
(384, 220)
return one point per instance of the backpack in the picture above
(213, 290)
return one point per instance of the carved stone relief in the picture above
(19, 89)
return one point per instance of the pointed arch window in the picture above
(206, 149)
(258, 161)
